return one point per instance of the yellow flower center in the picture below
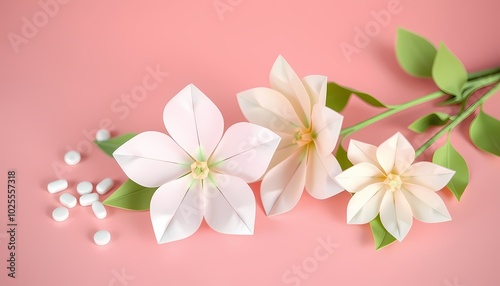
(199, 170)
(302, 137)
(393, 182)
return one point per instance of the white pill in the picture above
(84, 188)
(72, 157)
(57, 186)
(60, 214)
(68, 200)
(88, 199)
(99, 210)
(104, 186)
(102, 135)
(102, 237)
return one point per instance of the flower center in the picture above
(199, 170)
(302, 137)
(393, 182)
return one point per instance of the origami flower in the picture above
(384, 181)
(295, 109)
(199, 172)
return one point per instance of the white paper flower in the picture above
(199, 172)
(295, 109)
(384, 181)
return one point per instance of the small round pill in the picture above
(88, 199)
(102, 135)
(102, 237)
(72, 157)
(104, 186)
(99, 210)
(60, 214)
(57, 186)
(84, 188)
(68, 200)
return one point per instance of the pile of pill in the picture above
(85, 191)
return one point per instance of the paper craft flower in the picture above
(384, 181)
(295, 109)
(199, 172)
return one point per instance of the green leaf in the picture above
(448, 157)
(109, 146)
(485, 133)
(131, 196)
(415, 54)
(448, 72)
(433, 119)
(342, 157)
(381, 236)
(337, 97)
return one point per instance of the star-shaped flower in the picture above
(384, 181)
(295, 109)
(199, 172)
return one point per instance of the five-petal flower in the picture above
(384, 181)
(295, 109)
(199, 172)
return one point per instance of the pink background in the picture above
(69, 75)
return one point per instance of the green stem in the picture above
(474, 75)
(461, 117)
(395, 109)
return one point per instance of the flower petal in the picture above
(326, 127)
(245, 151)
(364, 205)
(395, 154)
(229, 204)
(152, 159)
(427, 206)
(268, 108)
(194, 122)
(396, 214)
(359, 152)
(284, 79)
(427, 174)
(359, 176)
(283, 185)
(285, 149)
(176, 209)
(321, 172)
(316, 88)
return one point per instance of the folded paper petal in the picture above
(320, 177)
(426, 205)
(359, 176)
(284, 79)
(326, 127)
(194, 122)
(396, 154)
(284, 150)
(316, 88)
(283, 185)
(229, 205)
(177, 209)
(429, 175)
(268, 108)
(364, 205)
(396, 214)
(152, 158)
(359, 152)
(245, 151)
